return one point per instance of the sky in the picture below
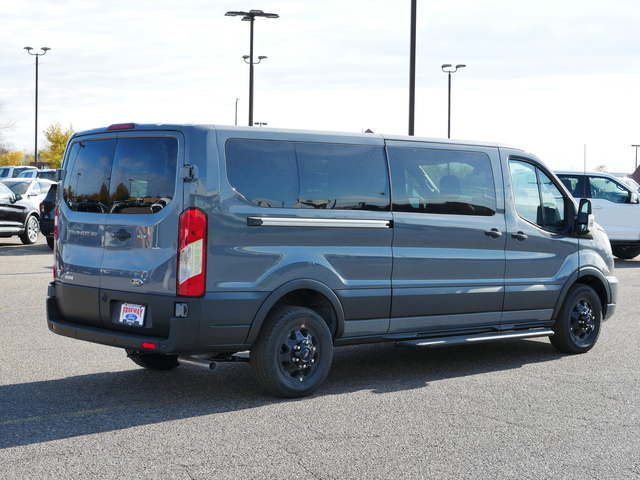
(558, 78)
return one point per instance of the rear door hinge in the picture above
(187, 172)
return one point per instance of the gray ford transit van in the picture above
(189, 244)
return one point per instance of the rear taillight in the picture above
(55, 242)
(192, 253)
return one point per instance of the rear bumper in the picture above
(182, 336)
(46, 228)
(196, 325)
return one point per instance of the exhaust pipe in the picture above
(197, 362)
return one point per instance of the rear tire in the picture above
(153, 361)
(31, 231)
(625, 252)
(577, 328)
(50, 242)
(293, 354)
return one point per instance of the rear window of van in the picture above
(126, 175)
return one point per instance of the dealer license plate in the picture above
(132, 314)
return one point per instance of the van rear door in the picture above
(118, 226)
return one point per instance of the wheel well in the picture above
(313, 300)
(596, 284)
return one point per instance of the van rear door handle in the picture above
(493, 233)
(121, 234)
(520, 236)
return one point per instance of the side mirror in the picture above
(633, 198)
(585, 217)
(59, 174)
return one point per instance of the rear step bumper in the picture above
(477, 338)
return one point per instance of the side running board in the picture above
(477, 338)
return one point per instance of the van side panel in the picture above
(449, 237)
(262, 238)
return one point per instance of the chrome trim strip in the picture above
(316, 222)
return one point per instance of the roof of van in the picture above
(271, 131)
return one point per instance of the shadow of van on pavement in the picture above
(89, 404)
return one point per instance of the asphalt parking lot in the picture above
(516, 409)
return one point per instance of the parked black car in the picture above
(48, 213)
(17, 218)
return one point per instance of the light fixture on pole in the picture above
(448, 69)
(37, 55)
(636, 156)
(250, 17)
(261, 124)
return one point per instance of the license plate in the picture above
(132, 314)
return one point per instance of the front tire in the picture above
(578, 325)
(31, 231)
(293, 354)
(153, 361)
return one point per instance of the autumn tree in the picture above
(11, 158)
(57, 139)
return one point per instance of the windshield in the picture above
(19, 188)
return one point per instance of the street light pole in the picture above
(636, 156)
(250, 17)
(412, 69)
(447, 68)
(37, 55)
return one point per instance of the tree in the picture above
(57, 142)
(11, 158)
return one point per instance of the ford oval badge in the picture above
(136, 282)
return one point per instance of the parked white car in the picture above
(32, 190)
(616, 207)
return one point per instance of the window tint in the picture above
(608, 189)
(265, 173)
(574, 183)
(537, 198)
(343, 177)
(129, 175)
(442, 181)
(308, 175)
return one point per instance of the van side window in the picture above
(308, 175)
(342, 177)
(128, 175)
(537, 198)
(442, 181)
(265, 173)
